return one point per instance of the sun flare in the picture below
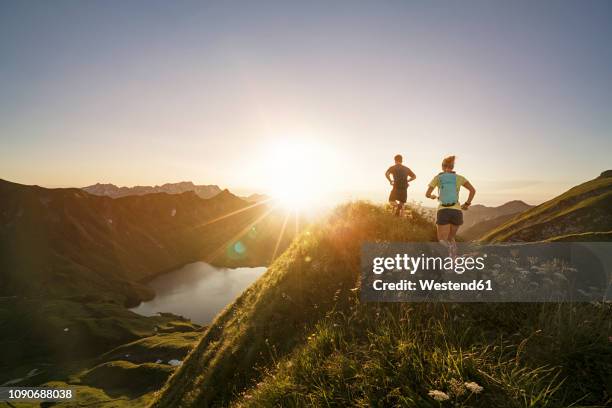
(300, 174)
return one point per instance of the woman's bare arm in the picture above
(428, 193)
(472, 191)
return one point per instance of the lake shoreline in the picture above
(197, 290)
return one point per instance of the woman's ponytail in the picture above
(448, 162)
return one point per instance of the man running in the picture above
(400, 181)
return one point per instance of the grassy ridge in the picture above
(584, 208)
(301, 337)
(314, 276)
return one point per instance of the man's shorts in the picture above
(447, 216)
(399, 194)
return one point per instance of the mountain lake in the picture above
(198, 291)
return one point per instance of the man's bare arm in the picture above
(411, 175)
(388, 176)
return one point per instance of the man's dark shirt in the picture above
(400, 175)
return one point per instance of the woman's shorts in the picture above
(399, 194)
(447, 216)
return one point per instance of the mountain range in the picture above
(480, 219)
(203, 191)
(479, 213)
(58, 242)
(111, 190)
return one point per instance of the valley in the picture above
(222, 332)
(72, 263)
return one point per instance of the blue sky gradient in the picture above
(147, 92)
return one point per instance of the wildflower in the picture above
(438, 395)
(474, 387)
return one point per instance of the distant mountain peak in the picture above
(225, 193)
(521, 202)
(186, 184)
(479, 213)
(517, 205)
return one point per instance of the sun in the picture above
(300, 173)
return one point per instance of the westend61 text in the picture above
(429, 285)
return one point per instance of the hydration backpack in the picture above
(448, 189)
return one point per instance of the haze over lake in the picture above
(198, 291)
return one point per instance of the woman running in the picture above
(449, 216)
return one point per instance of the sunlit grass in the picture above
(395, 355)
(301, 337)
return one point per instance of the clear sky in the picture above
(147, 92)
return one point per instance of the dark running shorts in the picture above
(399, 194)
(447, 216)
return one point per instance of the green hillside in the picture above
(71, 262)
(300, 336)
(68, 243)
(586, 208)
